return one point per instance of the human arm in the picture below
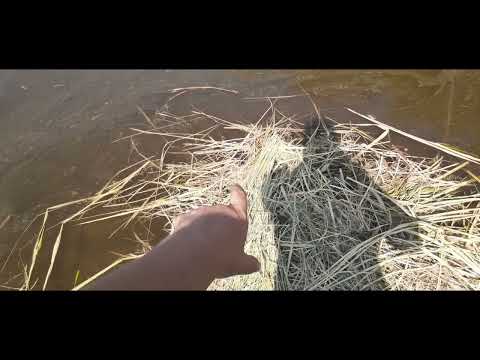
(207, 243)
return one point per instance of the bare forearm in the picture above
(173, 265)
(207, 243)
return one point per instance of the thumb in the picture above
(248, 264)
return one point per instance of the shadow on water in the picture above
(363, 270)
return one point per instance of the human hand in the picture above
(207, 243)
(218, 235)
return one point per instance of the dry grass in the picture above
(336, 209)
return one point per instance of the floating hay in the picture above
(333, 208)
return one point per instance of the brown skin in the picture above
(207, 243)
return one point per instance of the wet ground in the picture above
(57, 129)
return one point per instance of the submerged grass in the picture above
(334, 209)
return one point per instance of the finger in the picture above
(239, 201)
(248, 264)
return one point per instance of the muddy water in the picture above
(57, 129)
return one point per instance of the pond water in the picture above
(58, 127)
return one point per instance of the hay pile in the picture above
(332, 209)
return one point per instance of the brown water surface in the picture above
(57, 129)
